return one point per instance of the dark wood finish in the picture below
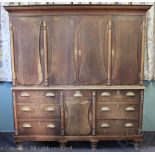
(78, 72)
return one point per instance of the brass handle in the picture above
(78, 94)
(26, 125)
(24, 94)
(26, 109)
(130, 109)
(42, 52)
(105, 94)
(50, 109)
(128, 125)
(130, 94)
(50, 94)
(105, 109)
(76, 52)
(104, 125)
(50, 126)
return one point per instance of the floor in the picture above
(7, 145)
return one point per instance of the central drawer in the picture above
(39, 127)
(38, 111)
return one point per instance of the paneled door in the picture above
(93, 41)
(27, 46)
(126, 49)
(62, 44)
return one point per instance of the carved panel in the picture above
(78, 117)
(126, 49)
(27, 32)
(93, 49)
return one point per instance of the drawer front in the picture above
(117, 127)
(117, 110)
(118, 95)
(42, 127)
(46, 97)
(37, 111)
(77, 94)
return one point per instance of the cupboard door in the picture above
(93, 43)
(126, 48)
(62, 31)
(27, 43)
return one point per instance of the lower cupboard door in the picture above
(39, 127)
(117, 127)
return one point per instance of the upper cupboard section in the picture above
(77, 50)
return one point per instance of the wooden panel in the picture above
(77, 117)
(42, 127)
(62, 34)
(27, 41)
(126, 49)
(93, 50)
(117, 110)
(117, 127)
(45, 97)
(118, 95)
(38, 111)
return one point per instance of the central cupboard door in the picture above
(62, 45)
(78, 49)
(93, 41)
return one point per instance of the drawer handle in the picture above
(130, 109)
(105, 94)
(78, 94)
(26, 125)
(50, 126)
(128, 125)
(26, 109)
(130, 94)
(24, 94)
(50, 94)
(50, 109)
(104, 125)
(105, 109)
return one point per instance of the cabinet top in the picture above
(51, 8)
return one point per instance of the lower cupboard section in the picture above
(117, 127)
(40, 127)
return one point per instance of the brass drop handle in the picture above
(105, 109)
(130, 94)
(51, 126)
(78, 94)
(26, 125)
(50, 94)
(128, 125)
(105, 94)
(50, 109)
(24, 94)
(130, 109)
(104, 125)
(26, 109)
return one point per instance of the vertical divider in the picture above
(15, 113)
(45, 53)
(62, 114)
(94, 113)
(109, 52)
(12, 54)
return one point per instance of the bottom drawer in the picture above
(41, 127)
(117, 127)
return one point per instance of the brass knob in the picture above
(104, 125)
(51, 126)
(26, 109)
(50, 109)
(130, 94)
(105, 109)
(105, 94)
(128, 125)
(130, 109)
(49, 94)
(24, 94)
(26, 125)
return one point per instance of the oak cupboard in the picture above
(78, 72)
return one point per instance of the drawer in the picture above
(118, 95)
(116, 110)
(42, 127)
(31, 96)
(77, 94)
(117, 127)
(38, 111)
